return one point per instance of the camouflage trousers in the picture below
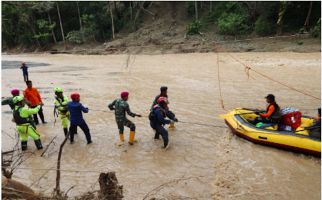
(125, 122)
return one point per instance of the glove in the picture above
(175, 120)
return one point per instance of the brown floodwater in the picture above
(203, 162)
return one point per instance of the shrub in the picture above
(194, 28)
(87, 33)
(233, 24)
(263, 27)
(316, 30)
(75, 37)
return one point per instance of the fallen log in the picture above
(12, 189)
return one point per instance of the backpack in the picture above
(151, 115)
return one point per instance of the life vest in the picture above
(60, 101)
(18, 119)
(152, 114)
(276, 115)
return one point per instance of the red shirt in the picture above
(32, 95)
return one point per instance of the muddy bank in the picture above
(184, 44)
(203, 162)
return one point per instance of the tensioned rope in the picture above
(65, 170)
(248, 68)
(219, 84)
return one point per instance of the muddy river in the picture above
(203, 162)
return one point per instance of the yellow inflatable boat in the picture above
(298, 141)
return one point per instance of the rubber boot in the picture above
(132, 138)
(172, 125)
(23, 145)
(65, 131)
(38, 144)
(121, 139)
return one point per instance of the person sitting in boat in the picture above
(272, 114)
(315, 130)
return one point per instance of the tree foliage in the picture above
(37, 23)
(233, 24)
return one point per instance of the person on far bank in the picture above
(33, 97)
(76, 110)
(121, 107)
(24, 69)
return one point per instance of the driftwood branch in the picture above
(47, 147)
(167, 184)
(57, 189)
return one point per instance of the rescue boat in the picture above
(298, 140)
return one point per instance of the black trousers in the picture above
(85, 129)
(41, 115)
(160, 130)
(25, 77)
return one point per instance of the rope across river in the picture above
(145, 116)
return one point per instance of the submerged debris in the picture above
(109, 188)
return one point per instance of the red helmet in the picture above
(160, 99)
(15, 92)
(75, 96)
(124, 94)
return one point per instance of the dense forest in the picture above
(47, 23)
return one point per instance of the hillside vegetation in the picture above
(118, 26)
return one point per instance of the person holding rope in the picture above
(32, 95)
(76, 110)
(272, 114)
(23, 118)
(61, 102)
(169, 114)
(121, 107)
(157, 120)
(9, 100)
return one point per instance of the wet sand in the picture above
(202, 162)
